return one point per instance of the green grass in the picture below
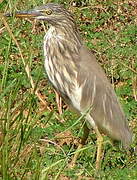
(31, 144)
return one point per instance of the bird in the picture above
(79, 79)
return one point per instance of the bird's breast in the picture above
(61, 70)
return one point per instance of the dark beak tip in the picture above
(8, 14)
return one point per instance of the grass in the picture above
(32, 145)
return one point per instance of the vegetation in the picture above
(37, 142)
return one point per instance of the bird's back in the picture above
(98, 93)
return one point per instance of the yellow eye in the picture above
(48, 11)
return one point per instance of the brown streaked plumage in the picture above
(76, 75)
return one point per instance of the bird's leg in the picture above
(83, 141)
(99, 148)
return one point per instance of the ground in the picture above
(37, 142)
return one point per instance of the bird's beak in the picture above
(25, 14)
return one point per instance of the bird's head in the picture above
(52, 13)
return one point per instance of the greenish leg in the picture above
(99, 149)
(83, 141)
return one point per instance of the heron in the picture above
(77, 76)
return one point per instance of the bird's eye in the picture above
(48, 11)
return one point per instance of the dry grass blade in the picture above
(130, 68)
(134, 85)
(2, 29)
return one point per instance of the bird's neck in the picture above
(67, 33)
(60, 43)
